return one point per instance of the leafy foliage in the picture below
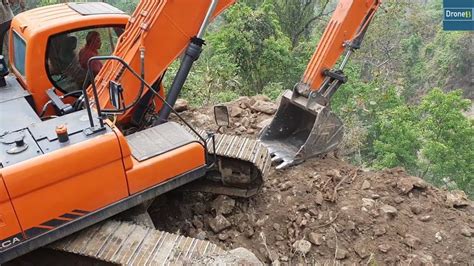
(448, 138)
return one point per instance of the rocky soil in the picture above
(325, 210)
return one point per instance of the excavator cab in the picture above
(46, 48)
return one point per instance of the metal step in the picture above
(157, 140)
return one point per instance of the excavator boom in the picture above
(158, 31)
(304, 126)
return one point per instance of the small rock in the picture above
(261, 222)
(379, 230)
(313, 212)
(238, 256)
(298, 220)
(264, 107)
(244, 101)
(408, 183)
(368, 203)
(241, 129)
(425, 218)
(416, 208)
(201, 235)
(466, 232)
(279, 238)
(222, 236)
(351, 226)
(249, 232)
(181, 105)
(419, 259)
(315, 239)
(302, 246)
(236, 111)
(341, 253)
(334, 173)
(438, 237)
(375, 196)
(273, 256)
(384, 248)
(361, 249)
(302, 207)
(223, 204)
(303, 222)
(245, 122)
(365, 185)
(389, 210)
(412, 241)
(250, 131)
(197, 223)
(219, 223)
(285, 186)
(319, 198)
(456, 198)
(398, 200)
(276, 226)
(284, 258)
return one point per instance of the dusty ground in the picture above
(326, 210)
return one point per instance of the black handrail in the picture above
(91, 77)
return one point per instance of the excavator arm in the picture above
(343, 34)
(157, 33)
(304, 126)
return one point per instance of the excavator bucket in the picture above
(302, 128)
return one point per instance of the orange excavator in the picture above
(84, 121)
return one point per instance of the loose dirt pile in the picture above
(324, 210)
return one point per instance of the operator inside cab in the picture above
(69, 53)
(93, 44)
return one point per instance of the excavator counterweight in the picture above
(304, 126)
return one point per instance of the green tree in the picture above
(254, 41)
(447, 139)
(298, 17)
(398, 139)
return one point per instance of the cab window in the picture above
(19, 51)
(68, 54)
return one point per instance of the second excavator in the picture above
(85, 132)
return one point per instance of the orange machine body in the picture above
(52, 189)
(84, 176)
